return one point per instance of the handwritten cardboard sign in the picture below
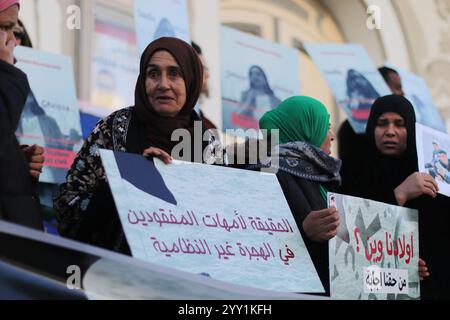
(231, 225)
(377, 280)
(376, 252)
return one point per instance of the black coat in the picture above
(434, 220)
(379, 175)
(18, 198)
(304, 196)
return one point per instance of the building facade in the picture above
(413, 34)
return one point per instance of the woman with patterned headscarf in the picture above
(306, 171)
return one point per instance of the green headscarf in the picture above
(298, 119)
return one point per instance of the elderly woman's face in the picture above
(391, 134)
(164, 84)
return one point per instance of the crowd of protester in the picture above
(380, 165)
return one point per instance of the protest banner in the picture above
(256, 76)
(50, 117)
(433, 147)
(114, 64)
(227, 224)
(375, 255)
(154, 21)
(352, 77)
(417, 92)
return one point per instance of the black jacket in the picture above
(304, 196)
(18, 201)
(434, 244)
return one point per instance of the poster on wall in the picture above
(375, 255)
(352, 77)
(433, 148)
(248, 238)
(50, 117)
(114, 61)
(417, 92)
(256, 76)
(154, 21)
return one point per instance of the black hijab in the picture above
(389, 172)
(402, 106)
(157, 129)
(382, 174)
(394, 169)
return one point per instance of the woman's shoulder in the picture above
(112, 126)
(292, 180)
(119, 115)
(302, 195)
(114, 120)
(309, 189)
